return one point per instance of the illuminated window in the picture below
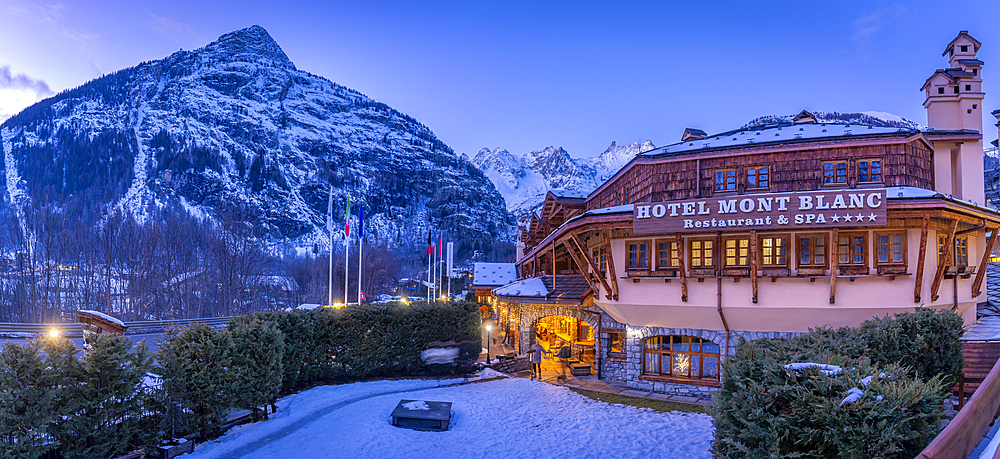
(757, 177)
(812, 250)
(638, 255)
(681, 357)
(834, 172)
(961, 251)
(737, 252)
(616, 343)
(725, 180)
(890, 248)
(870, 170)
(702, 253)
(852, 249)
(668, 254)
(774, 251)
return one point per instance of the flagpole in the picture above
(329, 228)
(361, 245)
(429, 257)
(347, 248)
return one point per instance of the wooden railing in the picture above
(67, 327)
(963, 433)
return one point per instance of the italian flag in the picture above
(347, 218)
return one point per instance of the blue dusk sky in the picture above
(527, 75)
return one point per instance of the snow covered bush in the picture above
(871, 391)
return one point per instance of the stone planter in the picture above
(171, 450)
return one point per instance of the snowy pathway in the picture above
(510, 417)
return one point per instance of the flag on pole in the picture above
(329, 212)
(440, 242)
(347, 218)
(361, 223)
(429, 242)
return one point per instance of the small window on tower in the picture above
(975, 71)
(956, 89)
(941, 90)
(968, 87)
(965, 48)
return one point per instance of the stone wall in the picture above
(629, 370)
(511, 364)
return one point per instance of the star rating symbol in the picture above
(835, 218)
(871, 217)
(860, 217)
(847, 218)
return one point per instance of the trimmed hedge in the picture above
(327, 345)
(764, 410)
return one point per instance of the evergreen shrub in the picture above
(195, 363)
(764, 410)
(258, 349)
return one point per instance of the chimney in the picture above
(692, 134)
(804, 117)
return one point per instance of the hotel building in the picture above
(660, 272)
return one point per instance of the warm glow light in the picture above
(681, 363)
(489, 327)
(53, 333)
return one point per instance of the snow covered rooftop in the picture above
(524, 287)
(985, 329)
(103, 316)
(774, 134)
(491, 274)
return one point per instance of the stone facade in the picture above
(629, 369)
(511, 364)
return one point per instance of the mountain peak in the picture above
(252, 44)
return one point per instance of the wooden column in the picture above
(921, 258)
(611, 265)
(834, 261)
(942, 263)
(753, 263)
(596, 269)
(681, 255)
(976, 284)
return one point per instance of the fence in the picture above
(65, 328)
(963, 433)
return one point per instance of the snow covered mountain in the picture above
(237, 124)
(524, 180)
(878, 119)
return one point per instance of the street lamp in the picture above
(489, 336)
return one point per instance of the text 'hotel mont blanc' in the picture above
(761, 232)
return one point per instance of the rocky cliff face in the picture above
(236, 123)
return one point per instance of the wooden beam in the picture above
(611, 265)
(753, 263)
(941, 263)
(576, 260)
(921, 258)
(834, 261)
(976, 284)
(595, 269)
(683, 270)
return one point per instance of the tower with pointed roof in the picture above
(954, 103)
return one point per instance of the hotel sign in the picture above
(778, 211)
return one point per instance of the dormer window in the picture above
(941, 90)
(965, 48)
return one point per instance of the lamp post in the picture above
(489, 340)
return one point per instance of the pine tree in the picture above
(26, 395)
(109, 399)
(259, 348)
(194, 363)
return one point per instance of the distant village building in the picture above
(761, 232)
(488, 276)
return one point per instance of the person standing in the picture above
(535, 354)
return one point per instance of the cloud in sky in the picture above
(9, 80)
(174, 28)
(866, 26)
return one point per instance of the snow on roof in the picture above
(493, 273)
(309, 306)
(910, 192)
(103, 316)
(985, 329)
(773, 134)
(525, 287)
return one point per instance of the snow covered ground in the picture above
(509, 417)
